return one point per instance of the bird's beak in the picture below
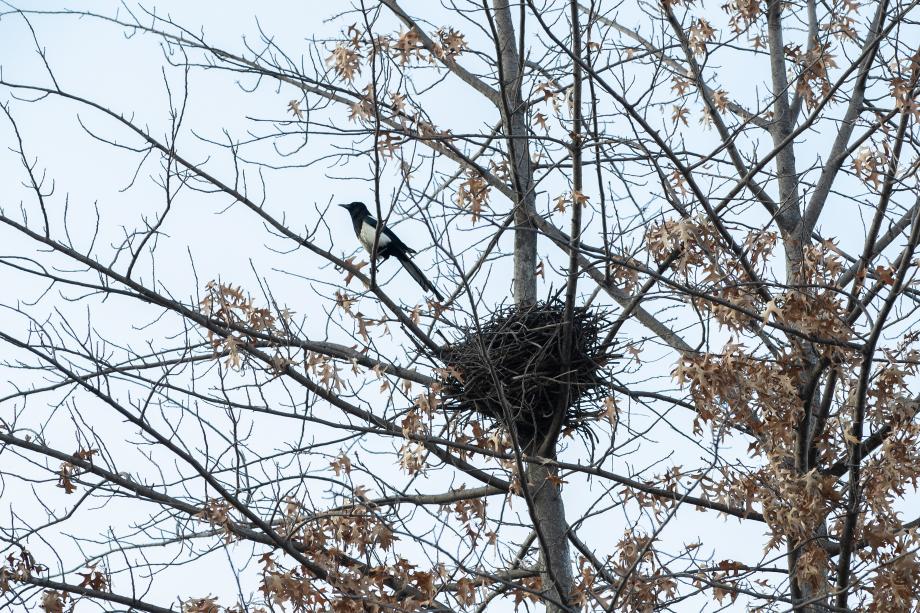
(344, 206)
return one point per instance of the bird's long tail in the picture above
(420, 278)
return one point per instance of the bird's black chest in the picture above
(357, 222)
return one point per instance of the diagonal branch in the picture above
(448, 61)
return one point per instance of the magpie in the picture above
(387, 245)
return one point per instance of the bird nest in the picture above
(518, 370)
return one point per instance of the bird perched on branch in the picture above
(388, 244)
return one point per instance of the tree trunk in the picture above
(550, 514)
(794, 239)
(515, 125)
(548, 509)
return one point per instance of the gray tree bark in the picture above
(514, 120)
(794, 238)
(548, 509)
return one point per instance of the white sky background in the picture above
(226, 242)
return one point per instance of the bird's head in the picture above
(355, 208)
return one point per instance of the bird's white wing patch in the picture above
(367, 238)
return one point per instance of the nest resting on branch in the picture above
(518, 356)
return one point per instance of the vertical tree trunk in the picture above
(548, 509)
(515, 124)
(550, 515)
(794, 238)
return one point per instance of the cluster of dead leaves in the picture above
(241, 321)
(841, 24)
(245, 324)
(870, 164)
(22, 567)
(813, 83)
(903, 90)
(54, 601)
(623, 271)
(363, 108)
(413, 454)
(573, 198)
(217, 513)
(94, 579)
(451, 43)
(743, 13)
(695, 241)
(413, 457)
(350, 587)
(702, 257)
(408, 46)
(346, 302)
(794, 505)
(647, 583)
(552, 94)
(700, 33)
(820, 313)
(587, 587)
(734, 389)
(292, 587)
(345, 61)
(473, 194)
(207, 604)
(471, 514)
(897, 578)
(758, 246)
(329, 537)
(325, 369)
(347, 56)
(18, 568)
(68, 471)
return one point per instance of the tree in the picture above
(679, 253)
